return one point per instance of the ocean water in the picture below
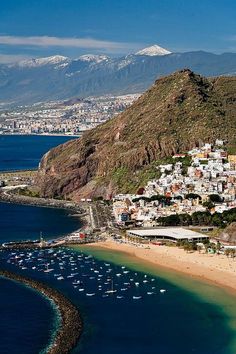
(21, 222)
(189, 317)
(24, 314)
(137, 318)
(27, 319)
(22, 152)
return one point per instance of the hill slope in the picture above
(178, 112)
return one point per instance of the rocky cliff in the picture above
(229, 234)
(178, 112)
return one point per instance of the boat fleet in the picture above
(87, 275)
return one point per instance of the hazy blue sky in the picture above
(115, 27)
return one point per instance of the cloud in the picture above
(12, 58)
(231, 38)
(86, 43)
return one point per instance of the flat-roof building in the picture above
(168, 234)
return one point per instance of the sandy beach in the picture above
(214, 268)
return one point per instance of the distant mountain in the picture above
(177, 113)
(59, 77)
(32, 63)
(153, 51)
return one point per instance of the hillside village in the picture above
(193, 188)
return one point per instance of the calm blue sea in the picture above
(20, 222)
(22, 152)
(137, 318)
(189, 317)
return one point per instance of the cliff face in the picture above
(229, 234)
(178, 112)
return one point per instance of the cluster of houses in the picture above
(187, 182)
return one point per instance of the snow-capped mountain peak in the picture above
(53, 60)
(154, 50)
(93, 58)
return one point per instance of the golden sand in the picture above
(212, 267)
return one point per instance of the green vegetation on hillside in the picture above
(179, 112)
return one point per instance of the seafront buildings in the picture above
(70, 117)
(203, 179)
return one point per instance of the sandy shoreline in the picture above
(217, 269)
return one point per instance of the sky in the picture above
(39, 28)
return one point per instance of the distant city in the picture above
(70, 117)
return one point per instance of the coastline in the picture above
(70, 328)
(215, 269)
(41, 202)
(56, 134)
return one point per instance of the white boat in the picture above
(162, 290)
(81, 289)
(137, 297)
(48, 270)
(60, 278)
(90, 294)
(111, 291)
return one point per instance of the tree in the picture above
(233, 252)
(187, 247)
(185, 219)
(193, 196)
(218, 247)
(171, 220)
(215, 198)
(208, 204)
(217, 220)
(227, 252)
(199, 248)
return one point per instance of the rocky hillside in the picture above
(178, 112)
(229, 234)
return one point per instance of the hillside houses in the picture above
(184, 190)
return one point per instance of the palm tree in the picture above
(227, 252)
(218, 247)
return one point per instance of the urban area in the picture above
(70, 117)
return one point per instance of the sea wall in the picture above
(41, 202)
(70, 327)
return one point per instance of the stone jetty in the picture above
(70, 327)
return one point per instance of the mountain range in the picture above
(179, 112)
(59, 77)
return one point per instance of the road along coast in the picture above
(70, 327)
